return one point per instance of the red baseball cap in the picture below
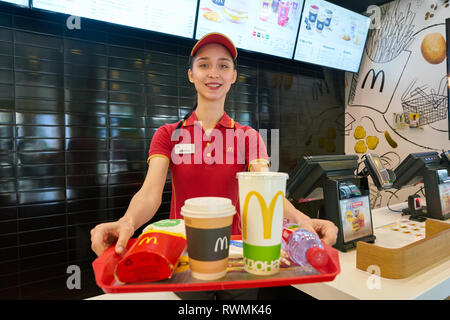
(215, 37)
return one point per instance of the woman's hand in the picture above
(324, 229)
(142, 208)
(105, 234)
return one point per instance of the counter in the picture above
(352, 283)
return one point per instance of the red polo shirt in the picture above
(206, 165)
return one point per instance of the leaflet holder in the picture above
(432, 170)
(346, 200)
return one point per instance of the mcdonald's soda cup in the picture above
(208, 222)
(155, 253)
(261, 199)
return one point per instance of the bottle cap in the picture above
(317, 257)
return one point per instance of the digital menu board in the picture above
(331, 36)
(24, 3)
(176, 17)
(266, 26)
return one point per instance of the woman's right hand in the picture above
(106, 234)
(142, 208)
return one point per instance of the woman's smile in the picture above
(213, 85)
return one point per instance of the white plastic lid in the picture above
(208, 207)
(262, 175)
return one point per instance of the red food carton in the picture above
(153, 256)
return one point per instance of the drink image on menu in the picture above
(328, 16)
(283, 12)
(320, 24)
(295, 7)
(208, 223)
(313, 11)
(275, 6)
(261, 199)
(266, 9)
(352, 30)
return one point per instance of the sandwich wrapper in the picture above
(155, 253)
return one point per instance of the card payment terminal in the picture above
(382, 178)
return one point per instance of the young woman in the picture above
(199, 165)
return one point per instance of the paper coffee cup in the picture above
(208, 222)
(261, 199)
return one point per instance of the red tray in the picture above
(236, 277)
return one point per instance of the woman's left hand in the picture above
(326, 230)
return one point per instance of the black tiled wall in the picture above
(78, 109)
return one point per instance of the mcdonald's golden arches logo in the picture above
(147, 240)
(267, 212)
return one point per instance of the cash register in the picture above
(344, 196)
(431, 169)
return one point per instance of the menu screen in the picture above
(331, 36)
(266, 26)
(175, 17)
(19, 2)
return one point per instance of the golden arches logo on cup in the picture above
(267, 212)
(261, 198)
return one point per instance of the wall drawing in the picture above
(397, 102)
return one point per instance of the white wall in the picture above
(411, 80)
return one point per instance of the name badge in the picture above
(184, 148)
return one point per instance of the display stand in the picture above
(432, 170)
(345, 195)
(336, 207)
(437, 198)
(399, 263)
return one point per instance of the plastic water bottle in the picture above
(303, 247)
